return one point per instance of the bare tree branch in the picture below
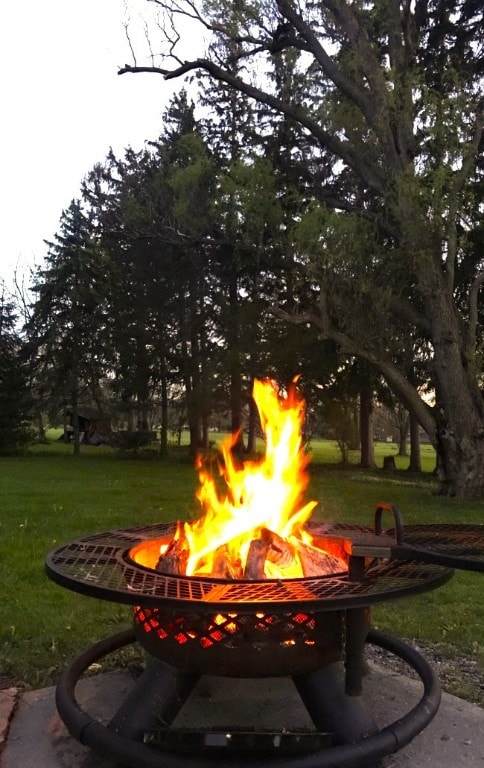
(126, 32)
(372, 176)
(372, 103)
(404, 390)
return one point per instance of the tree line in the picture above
(324, 219)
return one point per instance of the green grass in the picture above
(48, 497)
(327, 452)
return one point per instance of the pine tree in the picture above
(68, 316)
(15, 399)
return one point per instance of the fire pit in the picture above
(261, 591)
(238, 628)
(304, 628)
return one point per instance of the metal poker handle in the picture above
(385, 506)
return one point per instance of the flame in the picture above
(262, 494)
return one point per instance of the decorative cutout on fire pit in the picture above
(259, 643)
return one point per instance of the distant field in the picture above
(48, 497)
(322, 451)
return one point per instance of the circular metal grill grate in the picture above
(456, 546)
(100, 566)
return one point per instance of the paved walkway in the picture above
(37, 738)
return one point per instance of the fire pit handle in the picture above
(385, 506)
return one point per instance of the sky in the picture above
(63, 106)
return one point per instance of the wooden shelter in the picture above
(94, 426)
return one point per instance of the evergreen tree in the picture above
(15, 399)
(155, 214)
(68, 316)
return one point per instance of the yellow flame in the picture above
(260, 494)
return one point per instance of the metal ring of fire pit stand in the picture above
(387, 741)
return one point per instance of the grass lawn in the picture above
(48, 498)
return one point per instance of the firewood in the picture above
(221, 564)
(236, 570)
(280, 552)
(256, 558)
(315, 562)
(174, 560)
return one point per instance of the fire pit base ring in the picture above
(130, 751)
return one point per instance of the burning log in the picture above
(221, 563)
(256, 558)
(279, 552)
(236, 570)
(269, 548)
(174, 559)
(315, 562)
(225, 567)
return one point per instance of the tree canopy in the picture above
(388, 97)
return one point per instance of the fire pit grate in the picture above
(458, 546)
(100, 566)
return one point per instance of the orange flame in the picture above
(263, 494)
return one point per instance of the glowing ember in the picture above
(253, 527)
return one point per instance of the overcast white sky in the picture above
(63, 105)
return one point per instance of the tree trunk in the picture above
(233, 339)
(252, 428)
(366, 427)
(415, 463)
(402, 441)
(204, 429)
(460, 466)
(344, 450)
(130, 417)
(164, 412)
(41, 429)
(190, 332)
(65, 425)
(142, 420)
(195, 437)
(75, 424)
(460, 423)
(402, 420)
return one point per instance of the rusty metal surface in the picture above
(99, 565)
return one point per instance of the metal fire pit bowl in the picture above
(242, 644)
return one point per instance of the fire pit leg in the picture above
(357, 627)
(156, 698)
(331, 709)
